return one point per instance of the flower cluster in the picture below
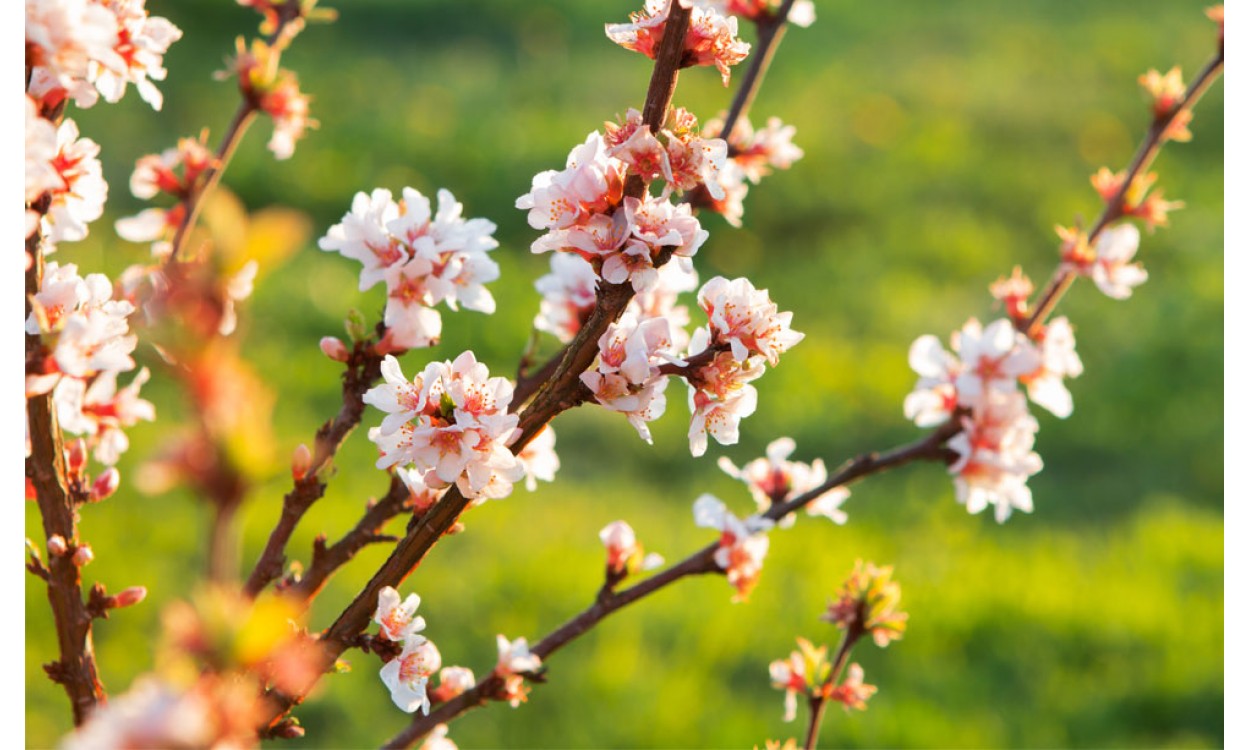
(805, 671)
(423, 257)
(86, 344)
(515, 661)
(274, 91)
(408, 673)
(65, 168)
(1139, 201)
(867, 605)
(711, 39)
(753, 155)
(452, 422)
(84, 49)
(174, 172)
(742, 546)
(774, 479)
(995, 448)
(627, 376)
(744, 331)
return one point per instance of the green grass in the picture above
(943, 141)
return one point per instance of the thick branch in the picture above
(928, 448)
(1146, 153)
(45, 469)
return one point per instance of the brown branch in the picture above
(928, 448)
(1150, 146)
(45, 469)
(326, 560)
(364, 367)
(818, 701)
(769, 31)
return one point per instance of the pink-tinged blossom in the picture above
(398, 620)
(274, 91)
(660, 300)
(774, 479)
(720, 395)
(152, 713)
(626, 376)
(993, 359)
(159, 173)
(142, 42)
(101, 411)
(934, 398)
(408, 674)
(362, 235)
(711, 39)
(1059, 360)
(453, 681)
(995, 456)
(625, 554)
(238, 288)
(451, 421)
(66, 42)
(643, 153)
(743, 543)
(41, 150)
(538, 458)
(79, 198)
(90, 328)
(1112, 269)
(853, 692)
(591, 183)
(804, 668)
(515, 657)
(437, 739)
(802, 12)
(746, 320)
(568, 296)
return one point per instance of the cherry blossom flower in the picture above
(720, 395)
(152, 713)
(141, 42)
(66, 40)
(41, 150)
(773, 480)
(1111, 270)
(398, 620)
(274, 91)
(1014, 293)
(101, 411)
(743, 543)
(514, 659)
(79, 198)
(453, 681)
(437, 739)
(1165, 91)
(934, 398)
(995, 456)
(993, 358)
(802, 12)
(746, 320)
(853, 692)
(711, 39)
(538, 458)
(591, 183)
(660, 301)
(568, 296)
(625, 554)
(408, 674)
(362, 235)
(1058, 361)
(90, 328)
(158, 173)
(626, 376)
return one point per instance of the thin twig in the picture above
(928, 448)
(769, 31)
(1146, 153)
(818, 701)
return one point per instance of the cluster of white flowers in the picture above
(452, 423)
(1108, 261)
(754, 154)
(774, 479)
(711, 39)
(742, 546)
(995, 448)
(515, 660)
(407, 674)
(423, 258)
(88, 341)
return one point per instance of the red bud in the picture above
(334, 349)
(105, 484)
(301, 462)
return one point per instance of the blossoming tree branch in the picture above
(622, 223)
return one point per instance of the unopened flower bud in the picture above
(83, 555)
(334, 348)
(301, 461)
(105, 485)
(76, 457)
(57, 545)
(129, 597)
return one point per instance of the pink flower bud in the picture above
(130, 597)
(334, 349)
(301, 460)
(83, 555)
(57, 545)
(105, 484)
(76, 457)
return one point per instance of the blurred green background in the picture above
(943, 142)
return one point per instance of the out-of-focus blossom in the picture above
(79, 197)
(867, 604)
(774, 479)
(805, 669)
(539, 458)
(743, 543)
